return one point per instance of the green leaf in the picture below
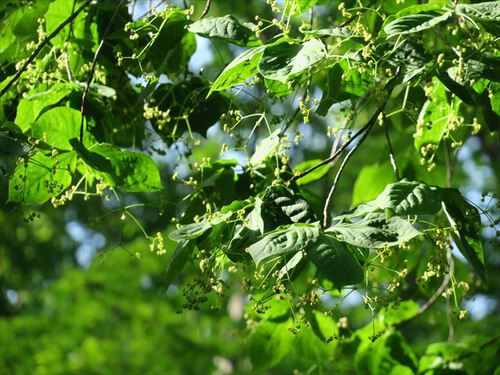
(171, 48)
(57, 126)
(30, 107)
(178, 261)
(333, 259)
(226, 28)
(243, 67)
(285, 61)
(375, 231)
(289, 240)
(303, 5)
(371, 181)
(132, 171)
(414, 23)
(390, 354)
(486, 14)
(269, 344)
(403, 198)
(195, 230)
(433, 118)
(266, 148)
(10, 146)
(42, 178)
(314, 175)
(465, 222)
(293, 262)
(281, 205)
(485, 11)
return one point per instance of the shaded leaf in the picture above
(333, 259)
(133, 171)
(243, 67)
(57, 126)
(414, 23)
(375, 231)
(289, 240)
(42, 178)
(285, 60)
(178, 261)
(226, 28)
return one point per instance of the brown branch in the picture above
(339, 174)
(392, 156)
(339, 151)
(206, 10)
(35, 53)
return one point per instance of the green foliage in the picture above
(314, 183)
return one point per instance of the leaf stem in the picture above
(35, 53)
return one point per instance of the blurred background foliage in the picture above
(81, 293)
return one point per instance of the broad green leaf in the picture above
(371, 181)
(314, 175)
(465, 222)
(289, 240)
(290, 265)
(389, 354)
(194, 230)
(392, 315)
(132, 171)
(414, 23)
(226, 28)
(486, 14)
(42, 178)
(269, 343)
(171, 48)
(434, 118)
(404, 198)
(486, 11)
(435, 6)
(332, 93)
(285, 61)
(178, 261)
(333, 259)
(281, 205)
(266, 148)
(11, 146)
(299, 6)
(243, 67)
(277, 89)
(375, 231)
(30, 107)
(57, 126)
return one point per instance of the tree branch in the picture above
(87, 86)
(391, 153)
(339, 173)
(206, 10)
(41, 46)
(339, 151)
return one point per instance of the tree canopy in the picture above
(271, 187)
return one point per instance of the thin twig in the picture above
(442, 287)
(449, 165)
(41, 46)
(92, 69)
(336, 154)
(207, 9)
(87, 86)
(339, 174)
(392, 156)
